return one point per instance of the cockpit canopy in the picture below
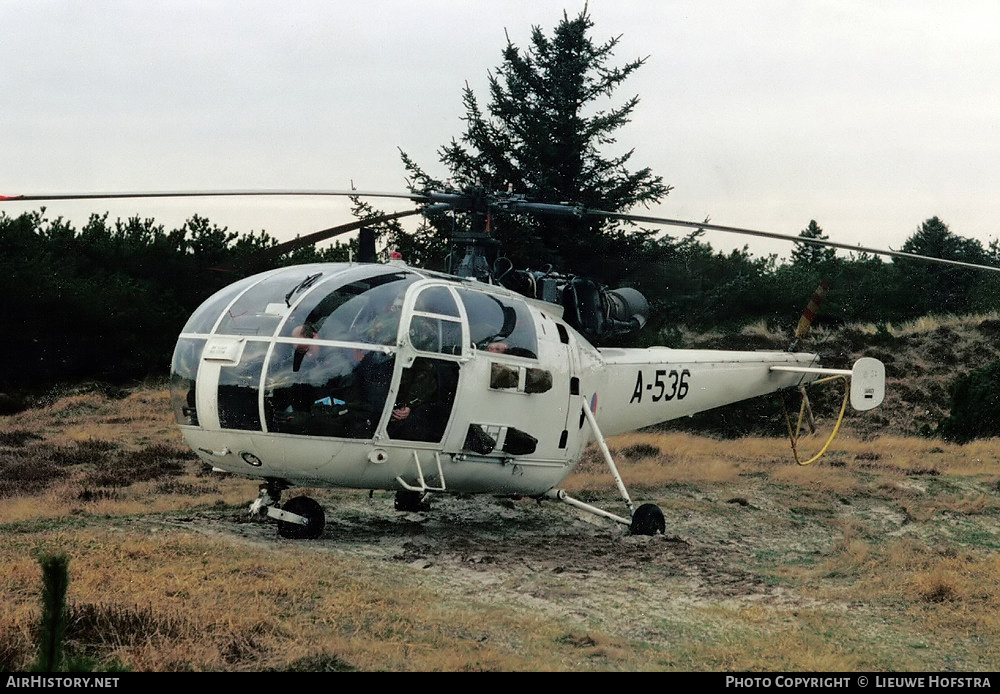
(312, 349)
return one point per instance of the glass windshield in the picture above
(183, 370)
(365, 310)
(206, 315)
(326, 391)
(260, 309)
(239, 386)
(310, 350)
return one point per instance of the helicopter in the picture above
(383, 376)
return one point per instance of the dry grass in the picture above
(882, 556)
(658, 459)
(927, 593)
(925, 324)
(90, 454)
(932, 579)
(176, 603)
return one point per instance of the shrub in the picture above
(975, 406)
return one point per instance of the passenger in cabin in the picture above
(502, 347)
(424, 401)
(308, 332)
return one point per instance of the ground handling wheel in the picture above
(648, 520)
(309, 509)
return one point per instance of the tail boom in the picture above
(642, 387)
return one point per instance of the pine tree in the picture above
(52, 630)
(808, 254)
(549, 116)
(934, 288)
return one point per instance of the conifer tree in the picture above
(934, 288)
(52, 630)
(811, 255)
(549, 117)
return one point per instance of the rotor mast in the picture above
(474, 242)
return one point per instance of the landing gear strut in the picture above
(645, 520)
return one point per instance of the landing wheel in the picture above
(410, 502)
(648, 520)
(311, 511)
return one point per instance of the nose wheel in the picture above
(308, 522)
(301, 518)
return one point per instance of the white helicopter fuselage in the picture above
(388, 377)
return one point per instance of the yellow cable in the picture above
(794, 435)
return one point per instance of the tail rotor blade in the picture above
(812, 308)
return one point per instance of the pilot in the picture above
(372, 377)
(373, 374)
(307, 332)
(384, 325)
(424, 401)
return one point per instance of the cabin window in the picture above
(183, 371)
(437, 300)
(435, 325)
(424, 400)
(239, 387)
(500, 324)
(430, 334)
(317, 390)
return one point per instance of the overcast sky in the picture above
(869, 117)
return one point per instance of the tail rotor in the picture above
(809, 314)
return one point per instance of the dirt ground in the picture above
(556, 560)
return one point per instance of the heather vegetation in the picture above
(107, 301)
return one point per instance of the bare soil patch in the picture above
(726, 547)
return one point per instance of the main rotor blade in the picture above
(269, 254)
(785, 237)
(46, 197)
